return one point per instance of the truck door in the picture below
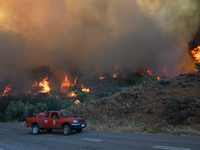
(53, 121)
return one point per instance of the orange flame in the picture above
(149, 72)
(158, 78)
(101, 78)
(164, 69)
(45, 85)
(75, 80)
(65, 85)
(7, 89)
(84, 89)
(76, 101)
(35, 85)
(196, 53)
(72, 94)
(115, 76)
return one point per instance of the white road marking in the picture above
(169, 148)
(93, 140)
(5, 130)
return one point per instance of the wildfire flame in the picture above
(7, 89)
(101, 78)
(115, 76)
(72, 94)
(149, 72)
(45, 85)
(65, 85)
(196, 53)
(164, 69)
(76, 101)
(35, 85)
(75, 80)
(84, 89)
(158, 78)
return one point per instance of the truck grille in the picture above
(81, 121)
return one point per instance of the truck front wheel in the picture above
(35, 129)
(66, 130)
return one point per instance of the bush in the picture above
(41, 107)
(102, 94)
(105, 90)
(82, 96)
(30, 109)
(178, 109)
(67, 104)
(15, 110)
(53, 103)
(41, 97)
(5, 101)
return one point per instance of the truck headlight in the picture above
(75, 121)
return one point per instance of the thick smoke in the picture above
(94, 36)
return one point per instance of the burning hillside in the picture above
(49, 46)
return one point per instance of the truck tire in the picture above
(79, 130)
(35, 129)
(66, 130)
(49, 130)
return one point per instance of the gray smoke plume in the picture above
(95, 36)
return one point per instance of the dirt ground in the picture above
(167, 106)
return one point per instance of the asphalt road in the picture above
(18, 137)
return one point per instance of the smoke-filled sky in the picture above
(95, 35)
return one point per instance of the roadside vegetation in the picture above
(24, 105)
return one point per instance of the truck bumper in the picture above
(79, 126)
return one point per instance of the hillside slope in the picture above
(169, 106)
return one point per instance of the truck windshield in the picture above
(65, 114)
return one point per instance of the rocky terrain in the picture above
(167, 106)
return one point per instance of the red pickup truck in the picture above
(55, 120)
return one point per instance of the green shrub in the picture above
(41, 107)
(15, 110)
(53, 103)
(67, 104)
(106, 90)
(30, 109)
(102, 94)
(5, 101)
(82, 96)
